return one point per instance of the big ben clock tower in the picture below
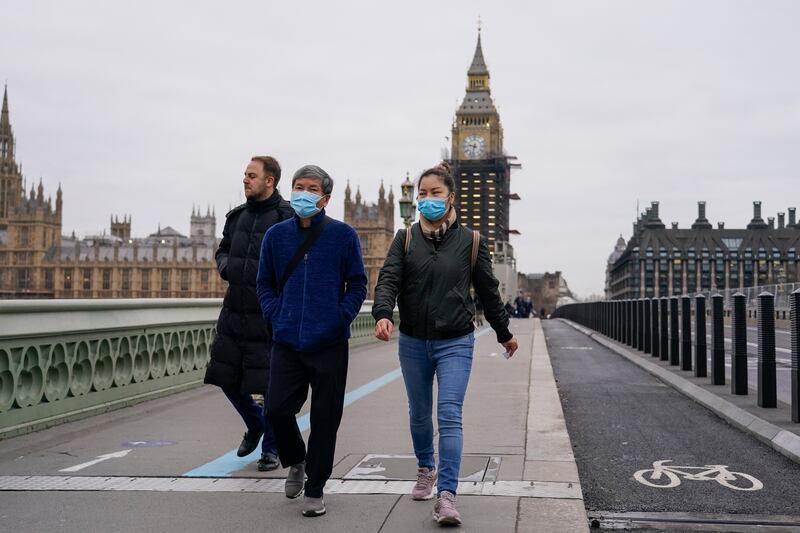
(480, 167)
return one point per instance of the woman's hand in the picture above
(383, 329)
(510, 346)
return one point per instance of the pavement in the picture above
(627, 413)
(168, 464)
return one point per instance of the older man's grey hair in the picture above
(313, 171)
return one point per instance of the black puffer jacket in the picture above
(240, 352)
(431, 283)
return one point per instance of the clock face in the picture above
(474, 146)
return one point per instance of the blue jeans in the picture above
(254, 417)
(450, 360)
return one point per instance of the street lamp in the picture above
(407, 205)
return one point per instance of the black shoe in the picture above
(268, 462)
(249, 442)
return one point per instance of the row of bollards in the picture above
(663, 328)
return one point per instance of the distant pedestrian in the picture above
(240, 351)
(311, 284)
(428, 272)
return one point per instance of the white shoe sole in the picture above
(445, 521)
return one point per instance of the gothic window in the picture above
(68, 279)
(48, 278)
(23, 278)
(204, 279)
(164, 279)
(145, 280)
(126, 279)
(87, 279)
(184, 280)
(106, 279)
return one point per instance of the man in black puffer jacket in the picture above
(240, 352)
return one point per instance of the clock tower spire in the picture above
(477, 131)
(480, 167)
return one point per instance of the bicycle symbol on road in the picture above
(665, 476)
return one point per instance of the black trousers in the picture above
(291, 373)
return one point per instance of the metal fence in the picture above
(781, 292)
(664, 328)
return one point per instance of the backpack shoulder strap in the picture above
(476, 243)
(407, 242)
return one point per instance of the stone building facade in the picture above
(37, 261)
(375, 226)
(548, 290)
(660, 261)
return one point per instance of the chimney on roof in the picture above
(701, 222)
(653, 220)
(757, 222)
(781, 220)
(674, 225)
(792, 220)
(771, 222)
(720, 225)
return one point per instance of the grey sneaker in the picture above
(313, 506)
(268, 462)
(424, 489)
(444, 512)
(295, 480)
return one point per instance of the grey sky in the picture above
(148, 107)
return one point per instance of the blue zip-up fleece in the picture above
(323, 295)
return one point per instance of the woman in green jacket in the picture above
(428, 273)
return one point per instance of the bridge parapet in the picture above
(62, 360)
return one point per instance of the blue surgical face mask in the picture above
(432, 208)
(304, 203)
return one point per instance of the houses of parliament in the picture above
(37, 261)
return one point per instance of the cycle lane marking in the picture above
(652, 477)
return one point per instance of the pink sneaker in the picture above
(426, 483)
(444, 512)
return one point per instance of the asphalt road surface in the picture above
(622, 421)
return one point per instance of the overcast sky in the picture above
(149, 107)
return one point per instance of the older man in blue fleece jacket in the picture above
(310, 308)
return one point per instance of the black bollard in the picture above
(635, 322)
(686, 333)
(794, 326)
(647, 326)
(618, 312)
(628, 322)
(664, 328)
(717, 340)
(700, 344)
(674, 346)
(739, 348)
(767, 371)
(654, 324)
(631, 322)
(640, 323)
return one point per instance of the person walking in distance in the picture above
(428, 272)
(240, 351)
(311, 285)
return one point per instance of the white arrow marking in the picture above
(100, 459)
(137, 442)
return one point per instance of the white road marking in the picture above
(523, 489)
(100, 459)
(664, 476)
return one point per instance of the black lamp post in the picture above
(407, 205)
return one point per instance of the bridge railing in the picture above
(675, 330)
(62, 360)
